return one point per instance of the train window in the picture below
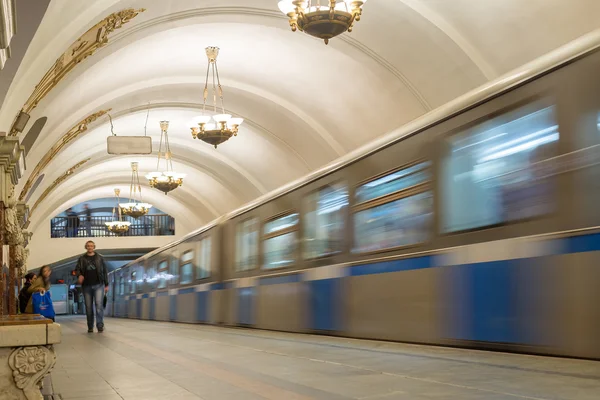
(163, 274)
(394, 210)
(324, 221)
(394, 182)
(174, 269)
(491, 173)
(246, 249)
(187, 267)
(398, 223)
(282, 223)
(132, 282)
(121, 285)
(151, 276)
(279, 241)
(203, 268)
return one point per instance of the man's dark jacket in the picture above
(24, 297)
(101, 269)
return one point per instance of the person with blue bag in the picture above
(40, 301)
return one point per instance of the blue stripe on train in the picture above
(152, 308)
(392, 266)
(202, 306)
(245, 305)
(173, 308)
(325, 304)
(581, 244)
(480, 302)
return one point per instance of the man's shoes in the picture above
(90, 331)
(100, 330)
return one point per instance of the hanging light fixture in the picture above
(168, 179)
(134, 208)
(117, 226)
(323, 19)
(223, 126)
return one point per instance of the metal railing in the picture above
(149, 225)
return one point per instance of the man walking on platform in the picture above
(93, 278)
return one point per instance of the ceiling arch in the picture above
(305, 103)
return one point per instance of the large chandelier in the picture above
(135, 208)
(324, 19)
(117, 226)
(223, 126)
(168, 179)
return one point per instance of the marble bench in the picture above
(26, 355)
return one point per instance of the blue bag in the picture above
(42, 304)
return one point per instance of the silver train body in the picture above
(477, 225)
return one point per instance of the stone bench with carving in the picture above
(26, 355)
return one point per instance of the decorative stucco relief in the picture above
(94, 39)
(67, 138)
(57, 182)
(29, 366)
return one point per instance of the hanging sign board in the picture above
(129, 145)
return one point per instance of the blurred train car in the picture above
(476, 225)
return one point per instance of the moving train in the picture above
(476, 225)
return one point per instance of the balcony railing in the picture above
(149, 225)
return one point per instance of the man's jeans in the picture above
(94, 293)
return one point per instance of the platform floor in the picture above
(141, 360)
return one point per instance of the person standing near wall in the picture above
(72, 223)
(88, 220)
(93, 277)
(24, 295)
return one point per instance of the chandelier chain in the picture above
(168, 156)
(146, 124)
(220, 88)
(206, 88)
(214, 88)
(159, 151)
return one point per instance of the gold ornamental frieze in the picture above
(94, 39)
(57, 182)
(67, 138)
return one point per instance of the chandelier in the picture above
(223, 126)
(117, 226)
(323, 21)
(135, 209)
(167, 180)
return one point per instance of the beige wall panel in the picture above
(186, 307)
(162, 308)
(282, 307)
(399, 306)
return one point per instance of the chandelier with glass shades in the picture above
(135, 208)
(220, 127)
(166, 180)
(117, 226)
(323, 19)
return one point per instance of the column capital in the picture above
(12, 157)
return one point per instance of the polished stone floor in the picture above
(155, 360)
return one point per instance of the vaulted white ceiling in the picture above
(305, 103)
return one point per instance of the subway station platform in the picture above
(144, 360)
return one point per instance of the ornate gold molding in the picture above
(85, 46)
(57, 182)
(68, 137)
